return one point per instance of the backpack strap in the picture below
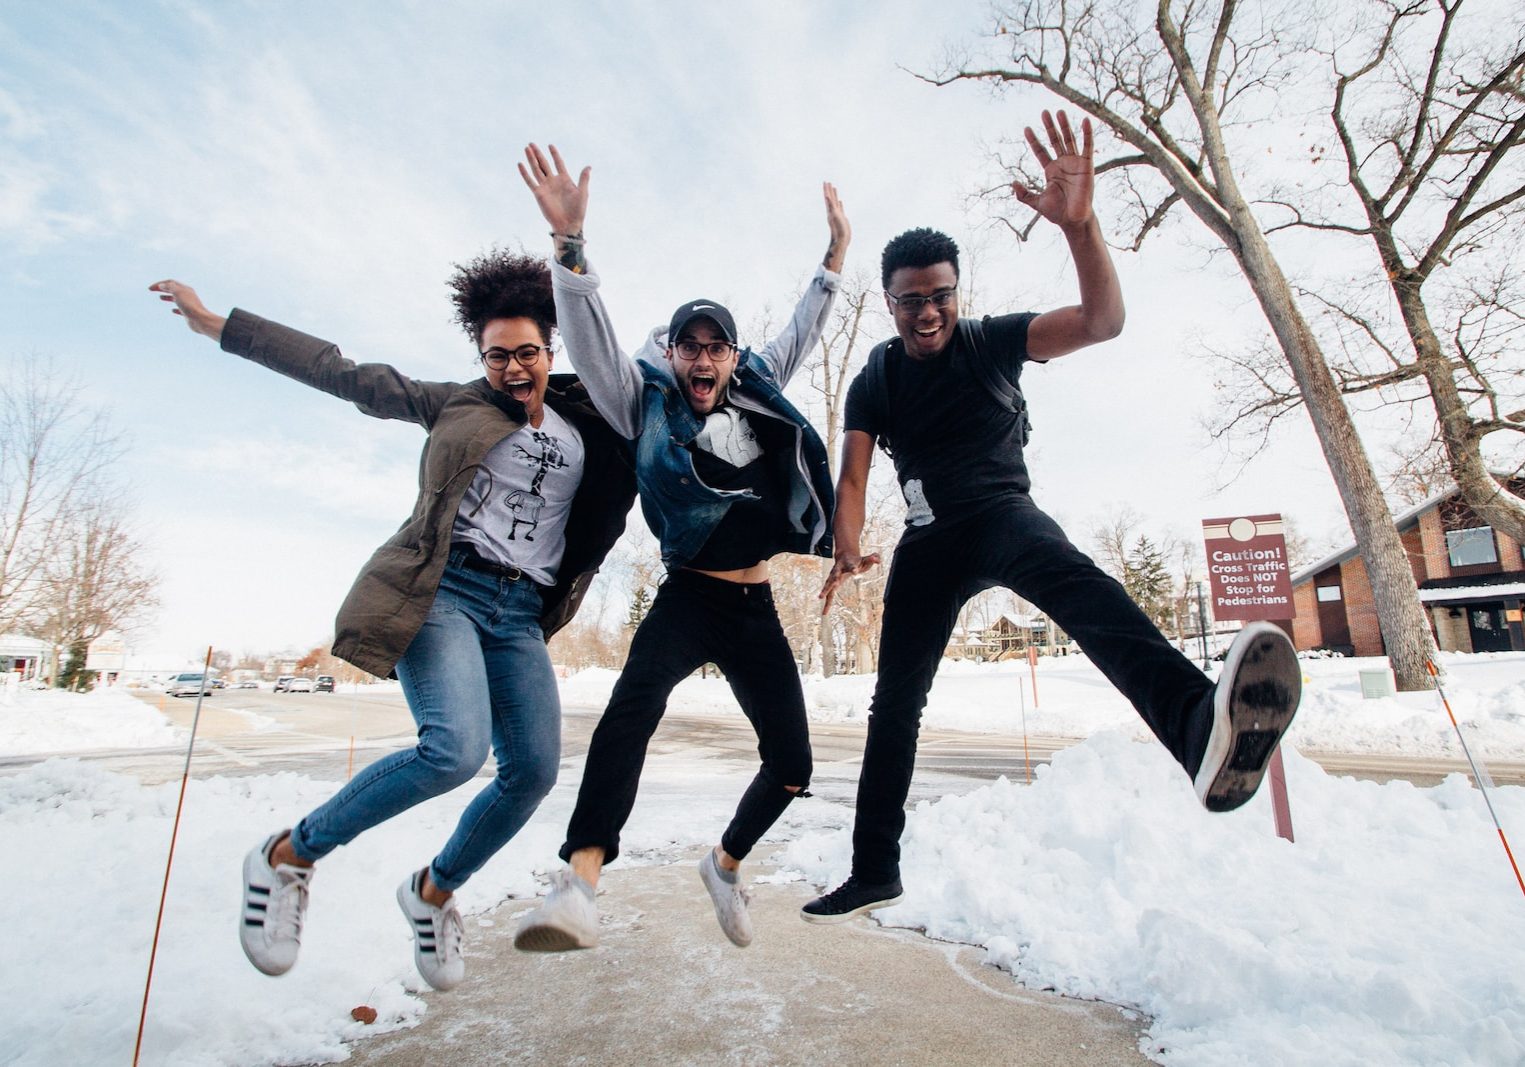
(879, 390)
(1004, 391)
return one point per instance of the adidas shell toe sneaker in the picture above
(438, 935)
(275, 903)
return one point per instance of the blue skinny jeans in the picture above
(477, 674)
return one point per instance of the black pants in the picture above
(1017, 546)
(694, 620)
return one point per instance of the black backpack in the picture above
(1005, 393)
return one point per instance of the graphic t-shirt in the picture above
(515, 511)
(956, 450)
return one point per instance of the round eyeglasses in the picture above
(524, 355)
(717, 350)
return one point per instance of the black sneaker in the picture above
(1256, 697)
(851, 898)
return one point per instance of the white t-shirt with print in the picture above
(515, 511)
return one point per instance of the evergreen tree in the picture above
(640, 604)
(1147, 580)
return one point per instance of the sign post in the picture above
(1247, 569)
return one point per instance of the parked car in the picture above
(283, 683)
(188, 685)
(299, 685)
(325, 684)
(246, 685)
(218, 683)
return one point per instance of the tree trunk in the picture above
(1458, 431)
(828, 646)
(1405, 631)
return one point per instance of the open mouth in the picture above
(520, 390)
(702, 385)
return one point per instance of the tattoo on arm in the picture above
(831, 252)
(570, 255)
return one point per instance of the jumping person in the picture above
(942, 396)
(458, 604)
(730, 474)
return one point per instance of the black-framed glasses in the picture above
(525, 355)
(717, 350)
(912, 305)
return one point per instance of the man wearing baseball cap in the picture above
(730, 474)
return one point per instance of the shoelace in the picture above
(449, 933)
(288, 903)
(841, 892)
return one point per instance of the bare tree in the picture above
(855, 319)
(52, 453)
(95, 581)
(1170, 88)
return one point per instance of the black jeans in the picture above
(1017, 546)
(694, 620)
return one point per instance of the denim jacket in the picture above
(680, 509)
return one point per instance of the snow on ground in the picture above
(1389, 933)
(53, 720)
(1486, 691)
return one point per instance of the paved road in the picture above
(259, 732)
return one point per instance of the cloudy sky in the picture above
(325, 165)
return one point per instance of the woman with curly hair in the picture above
(523, 489)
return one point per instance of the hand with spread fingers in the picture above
(189, 306)
(847, 565)
(1069, 173)
(841, 229)
(563, 202)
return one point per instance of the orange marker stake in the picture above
(185, 776)
(1479, 773)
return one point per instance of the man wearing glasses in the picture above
(971, 524)
(730, 474)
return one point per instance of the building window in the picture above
(1328, 593)
(1469, 547)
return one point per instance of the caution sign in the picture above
(1247, 568)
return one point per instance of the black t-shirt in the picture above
(752, 529)
(956, 450)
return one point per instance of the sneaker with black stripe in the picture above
(275, 903)
(438, 934)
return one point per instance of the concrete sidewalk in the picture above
(664, 986)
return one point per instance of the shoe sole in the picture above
(545, 937)
(1249, 717)
(714, 885)
(862, 909)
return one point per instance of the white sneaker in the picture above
(1256, 696)
(730, 898)
(438, 935)
(275, 902)
(567, 919)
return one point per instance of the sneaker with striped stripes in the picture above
(275, 903)
(438, 934)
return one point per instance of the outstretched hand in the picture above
(841, 230)
(1069, 174)
(563, 202)
(189, 306)
(846, 565)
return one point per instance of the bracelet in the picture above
(570, 238)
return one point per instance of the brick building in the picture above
(1471, 581)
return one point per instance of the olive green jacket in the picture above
(393, 593)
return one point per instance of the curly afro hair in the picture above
(503, 285)
(920, 247)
